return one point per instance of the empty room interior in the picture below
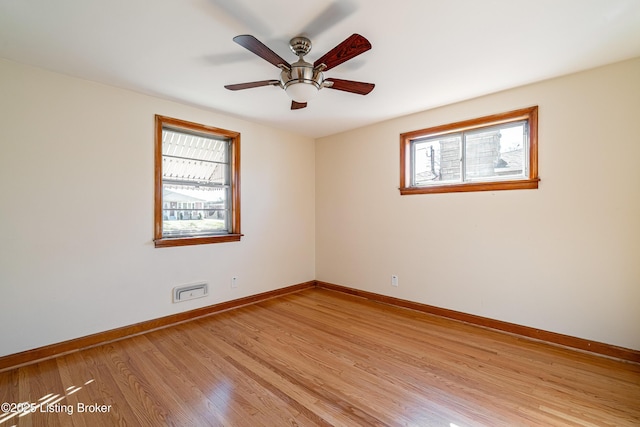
(339, 213)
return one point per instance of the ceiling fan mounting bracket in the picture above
(300, 45)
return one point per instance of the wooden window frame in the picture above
(531, 182)
(234, 235)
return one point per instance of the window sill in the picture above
(188, 241)
(524, 184)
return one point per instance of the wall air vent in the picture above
(192, 291)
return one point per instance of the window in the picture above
(197, 184)
(498, 152)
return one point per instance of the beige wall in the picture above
(564, 258)
(76, 209)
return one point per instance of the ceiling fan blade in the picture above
(350, 86)
(256, 46)
(298, 105)
(250, 85)
(353, 46)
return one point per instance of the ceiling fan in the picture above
(302, 80)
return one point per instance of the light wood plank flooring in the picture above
(320, 357)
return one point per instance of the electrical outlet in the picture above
(234, 282)
(394, 280)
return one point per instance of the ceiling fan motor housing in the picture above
(302, 82)
(301, 72)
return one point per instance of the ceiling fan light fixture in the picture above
(301, 91)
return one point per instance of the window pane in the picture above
(514, 151)
(496, 152)
(436, 161)
(194, 158)
(195, 184)
(193, 211)
(180, 143)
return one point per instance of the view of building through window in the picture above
(200, 212)
(493, 153)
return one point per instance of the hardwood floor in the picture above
(320, 357)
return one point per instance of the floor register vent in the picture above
(187, 292)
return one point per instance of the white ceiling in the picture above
(425, 53)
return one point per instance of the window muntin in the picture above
(197, 184)
(496, 152)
